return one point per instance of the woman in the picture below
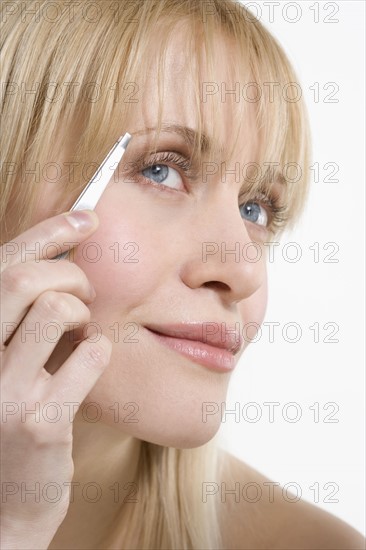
(119, 451)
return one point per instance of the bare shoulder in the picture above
(255, 515)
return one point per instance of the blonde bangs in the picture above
(110, 60)
(259, 64)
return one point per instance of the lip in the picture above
(208, 344)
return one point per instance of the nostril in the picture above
(217, 285)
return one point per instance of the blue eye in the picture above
(161, 173)
(254, 212)
(158, 171)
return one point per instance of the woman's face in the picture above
(164, 247)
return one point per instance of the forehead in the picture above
(190, 88)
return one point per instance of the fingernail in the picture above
(82, 220)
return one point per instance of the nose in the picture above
(224, 258)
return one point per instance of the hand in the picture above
(36, 453)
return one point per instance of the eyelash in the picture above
(172, 159)
(275, 211)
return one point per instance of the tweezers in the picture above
(89, 197)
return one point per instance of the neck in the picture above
(105, 462)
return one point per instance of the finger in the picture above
(81, 370)
(38, 334)
(49, 238)
(21, 285)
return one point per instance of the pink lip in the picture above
(205, 343)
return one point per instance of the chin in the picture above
(166, 424)
(184, 436)
(172, 404)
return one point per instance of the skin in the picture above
(176, 286)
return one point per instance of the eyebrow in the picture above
(189, 135)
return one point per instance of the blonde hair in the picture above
(109, 48)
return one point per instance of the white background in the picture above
(307, 292)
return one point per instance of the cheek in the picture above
(119, 258)
(252, 312)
